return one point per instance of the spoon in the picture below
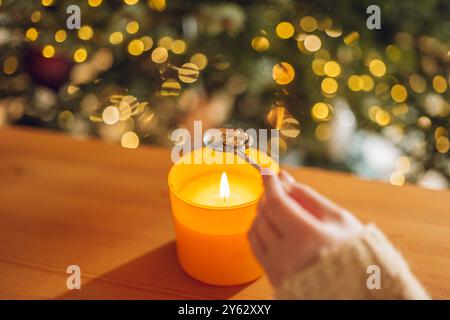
(236, 141)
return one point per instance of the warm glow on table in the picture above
(64, 200)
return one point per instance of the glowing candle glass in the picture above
(213, 207)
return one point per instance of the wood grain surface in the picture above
(106, 209)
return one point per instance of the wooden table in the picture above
(106, 209)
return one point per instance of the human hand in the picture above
(294, 223)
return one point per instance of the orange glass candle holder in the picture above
(211, 231)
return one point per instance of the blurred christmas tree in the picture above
(373, 102)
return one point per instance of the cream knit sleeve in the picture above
(341, 273)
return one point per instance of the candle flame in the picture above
(224, 187)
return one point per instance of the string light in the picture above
(95, 3)
(165, 42)
(373, 112)
(312, 43)
(440, 132)
(260, 43)
(111, 115)
(284, 30)
(10, 65)
(48, 51)
(334, 32)
(332, 69)
(170, 88)
(148, 42)
(403, 164)
(178, 46)
(318, 66)
(351, 38)
(329, 85)
(130, 140)
(354, 83)
(66, 120)
(290, 128)
(60, 35)
(47, 3)
(159, 55)
(400, 109)
(36, 16)
(442, 144)
(136, 47)
(393, 52)
(392, 113)
(439, 84)
(116, 38)
(132, 27)
(399, 93)
(382, 91)
(323, 132)
(382, 117)
(31, 34)
(283, 73)
(397, 178)
(131, 2)
(188, 73)
(320, 111)
(85, 33)
(157, 5)
(80, 55)
(276, 116)
(417, 83)
(367, 83)
(200, 60)
(377, 67)
(308, 23)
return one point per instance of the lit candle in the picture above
(213, 207)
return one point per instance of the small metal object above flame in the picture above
(231, 140)
(227, 139)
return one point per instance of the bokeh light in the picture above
(111, 115)
(399, 93)
(312, 43)
(130, 140)
(116, 38)
(329, 85)
(439, 84)
(31, 34)
(377, 67)
(260, 43)
(285, 30)
(48, 51)
(320, 111)
(188, 73)
(132, 27)
(332, 69)
(136, 47)
(308, 23)
(80, 55)
(283, 73)
(200, 60)
(159, 55)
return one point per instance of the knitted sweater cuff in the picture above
(364, 267)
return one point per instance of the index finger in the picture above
(281, 207)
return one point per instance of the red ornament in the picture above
(51, 72)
